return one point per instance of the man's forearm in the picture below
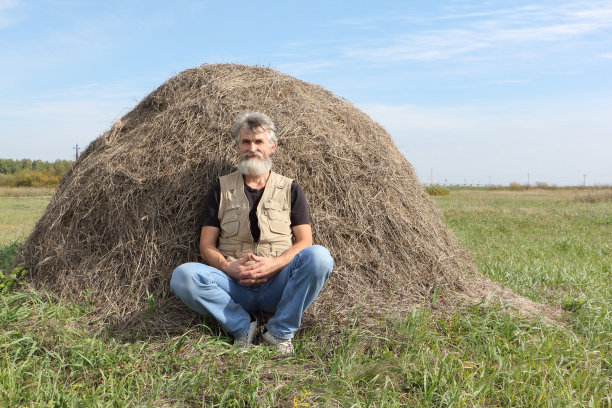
(214, 258)
(303, 239)
(287, 256)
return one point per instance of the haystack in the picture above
(128, 212)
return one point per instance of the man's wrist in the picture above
(225, 266)
(277, 264)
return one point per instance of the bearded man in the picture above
(256, 240)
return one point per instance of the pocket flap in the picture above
(231, 214)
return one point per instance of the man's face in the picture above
(254, 149)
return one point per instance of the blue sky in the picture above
(477, 91)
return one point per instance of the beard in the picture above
(256, 166)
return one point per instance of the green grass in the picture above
(20, 208)
(546, 246)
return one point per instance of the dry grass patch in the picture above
(46, 192)
(594, 196)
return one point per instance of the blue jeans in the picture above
(287, 294)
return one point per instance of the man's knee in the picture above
(183, 278)
(319, 260)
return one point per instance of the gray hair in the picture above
(252, 121)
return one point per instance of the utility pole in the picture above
(489, 180)
(76, 154)
(432, 176)
(527, 179)
(584, 180)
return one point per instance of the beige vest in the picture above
(273, 214)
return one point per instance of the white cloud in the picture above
(398, 119)
(6, 6)
(60, 120)
(298, 69)
(554, 32)
(555, 142)
(424, 47)
(468, 33)
(603, 15)
(73, 101)
(549, 120)
(507, 81)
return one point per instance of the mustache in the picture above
(255, 167)
(248, 155)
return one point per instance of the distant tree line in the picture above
(10, 166)
(32, 173)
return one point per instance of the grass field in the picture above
(20, 207)
(553, 246)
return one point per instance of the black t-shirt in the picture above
(299, 207)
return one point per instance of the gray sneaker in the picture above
(283, 346)
(247, 340)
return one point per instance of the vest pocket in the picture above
(278, 219)
(230, 222)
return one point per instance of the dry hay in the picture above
(127, 213)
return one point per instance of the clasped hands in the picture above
(252, 269)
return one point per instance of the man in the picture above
(256, 240)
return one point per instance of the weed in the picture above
(8, 281)
(572, 305)
(7, 256)
(514, 186)
(594, 196)
(436, 190)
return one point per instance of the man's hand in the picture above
(257, 270)
(251, 269)
(235, 268)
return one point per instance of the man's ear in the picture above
(273, 148)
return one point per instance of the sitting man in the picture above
(256, 241)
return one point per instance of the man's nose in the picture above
(251, 147)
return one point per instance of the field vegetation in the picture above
(20, 207)
(436, 190)
(32, 173)
(551, 245)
